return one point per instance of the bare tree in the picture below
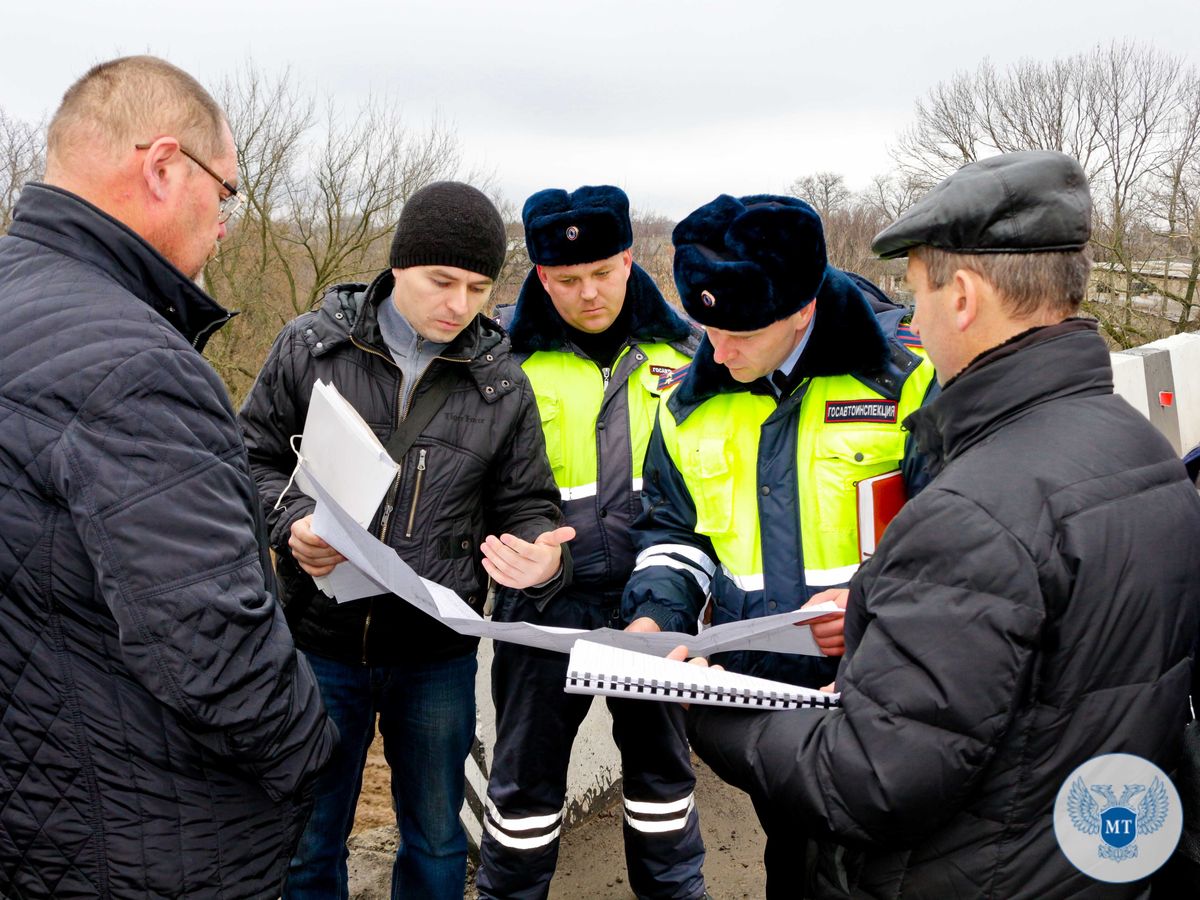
(826, 192)
(653, 250)
(1180, 197)
(323, 195)
(1114, 108)
(22, 159)
(851, 220)
(891, 194)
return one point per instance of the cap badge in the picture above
(572, 233)
(707, 298)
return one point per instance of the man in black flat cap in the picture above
(1033, 608)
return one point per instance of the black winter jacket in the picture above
(1034, 607)
(478, 468)
(156, 723)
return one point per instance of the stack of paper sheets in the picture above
(343, 453)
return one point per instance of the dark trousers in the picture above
(536, 724)
(426, 715)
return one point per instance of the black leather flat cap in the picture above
(1034, 201)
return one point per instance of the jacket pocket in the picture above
(711, 484)
(457, 549)
(846, 456)
(551, 417)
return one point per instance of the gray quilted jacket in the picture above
(156, 726)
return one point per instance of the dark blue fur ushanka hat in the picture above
(589, 224)
(743, 263)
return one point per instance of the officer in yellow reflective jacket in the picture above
(596, 338)
(795, 395)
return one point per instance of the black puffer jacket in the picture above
(478, 468)
(1034, 607)
(156, 723)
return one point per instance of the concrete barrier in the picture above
(1161, 380)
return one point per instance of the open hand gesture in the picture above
(515, 563)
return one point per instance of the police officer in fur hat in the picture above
(596, 338)
(795, 395)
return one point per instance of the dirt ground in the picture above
(591, 862)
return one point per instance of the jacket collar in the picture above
(1047, 363)
(72, 226)
(536, 324)
(846, 340)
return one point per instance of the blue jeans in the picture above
(427, 719)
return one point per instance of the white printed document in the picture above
(783, 633)
(342, 451)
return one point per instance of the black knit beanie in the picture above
(449, 223)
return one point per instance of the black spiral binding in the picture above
(653, 687)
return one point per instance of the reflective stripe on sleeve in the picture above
(698, 557)
(671, 563)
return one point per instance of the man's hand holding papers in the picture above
(827, 630)
(315, 556)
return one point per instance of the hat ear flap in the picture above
(544, 203)
(732, 294)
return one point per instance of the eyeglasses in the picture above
(228, 205)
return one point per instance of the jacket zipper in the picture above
(412, 513)
(204, 332)
(606, 374)
(389, 504)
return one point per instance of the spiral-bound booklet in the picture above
(601, 669)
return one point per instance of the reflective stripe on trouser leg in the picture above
(659, 818)
(664, 851)
(522, 832)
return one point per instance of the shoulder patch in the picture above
(906, 336)
(669, 377)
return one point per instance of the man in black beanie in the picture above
(596, 338)
(436, 382)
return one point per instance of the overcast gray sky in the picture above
(675, 101)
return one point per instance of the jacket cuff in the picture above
(295, 509)
(542, 594)
(664, 617)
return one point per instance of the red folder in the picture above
(879, 499)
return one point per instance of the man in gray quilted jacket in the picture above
(158, 731)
